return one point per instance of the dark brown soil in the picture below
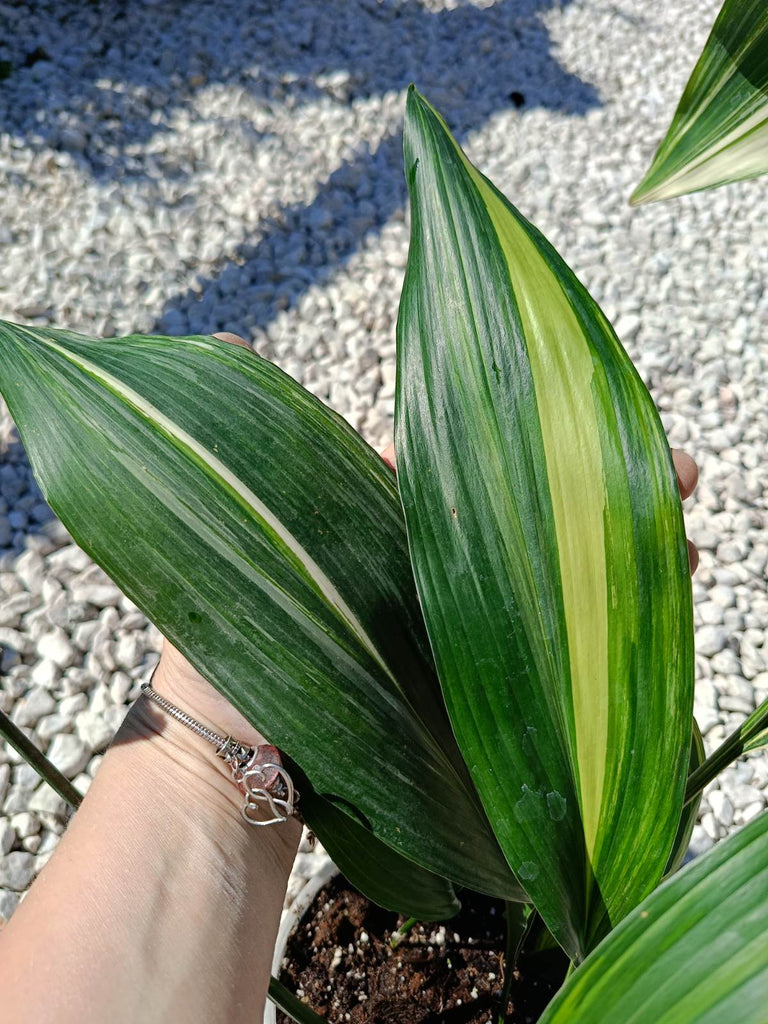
(340, 962)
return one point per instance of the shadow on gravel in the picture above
(103, 80)
(470, 62)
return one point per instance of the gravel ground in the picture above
(189, 168)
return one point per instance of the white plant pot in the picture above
(290, 919)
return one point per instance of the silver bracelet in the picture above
(256, 770)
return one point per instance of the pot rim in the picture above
(290, 919)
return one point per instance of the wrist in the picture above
(184, 771)
(181, 684)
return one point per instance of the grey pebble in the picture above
(710, 640)
(7, 836)
(36, 703)
(46, 801)
(9, 901)
(16, 871)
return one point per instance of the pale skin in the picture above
(160, 903)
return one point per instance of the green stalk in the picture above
(37, 759)
(751, 735)
(519, 921)
(402, 931)
(290, 1005)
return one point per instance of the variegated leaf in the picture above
(546, 533)
(694, 952)
(720, 129)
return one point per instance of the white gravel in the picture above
(200, 167)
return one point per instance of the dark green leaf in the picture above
(266, 541)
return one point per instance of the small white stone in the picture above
(710, 640)
(724, 596)
(69, 706)
(31, 844)
(7, 836)
(82, 783)
(119, 687)
(25, 824)
(13, 607)
(93, 730)
(711, 614)
(129, 650)
(752, 811)
(46, 801)
(16, 871)
(9, 901)
(46, 673)
(50, 725)
(17, 799)
(56, 646)
(33, 706)
(71, 558)
(627, 327)
(30, 569)
(69, 754)
(722, 808)
(711, 826)
(100, 595)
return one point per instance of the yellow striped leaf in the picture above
(546, 533)
(720, 129)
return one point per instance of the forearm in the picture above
(161, 903)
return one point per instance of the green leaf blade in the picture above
(546, 535)
(694, 952)
(377, 870)
(719, 132)
(265, 539)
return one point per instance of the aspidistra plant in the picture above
(519, 721)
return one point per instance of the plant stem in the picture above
(402, 931)
(291, 1005)
(518, 926)
(751, 735)
(37, 759)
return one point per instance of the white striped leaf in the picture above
(547, 539)
(720, 129)
(694, 952)
(265, 539)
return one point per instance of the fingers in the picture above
(234, 339)
(687, 472)
(687, 478)
(693, 556)
(388, 454)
